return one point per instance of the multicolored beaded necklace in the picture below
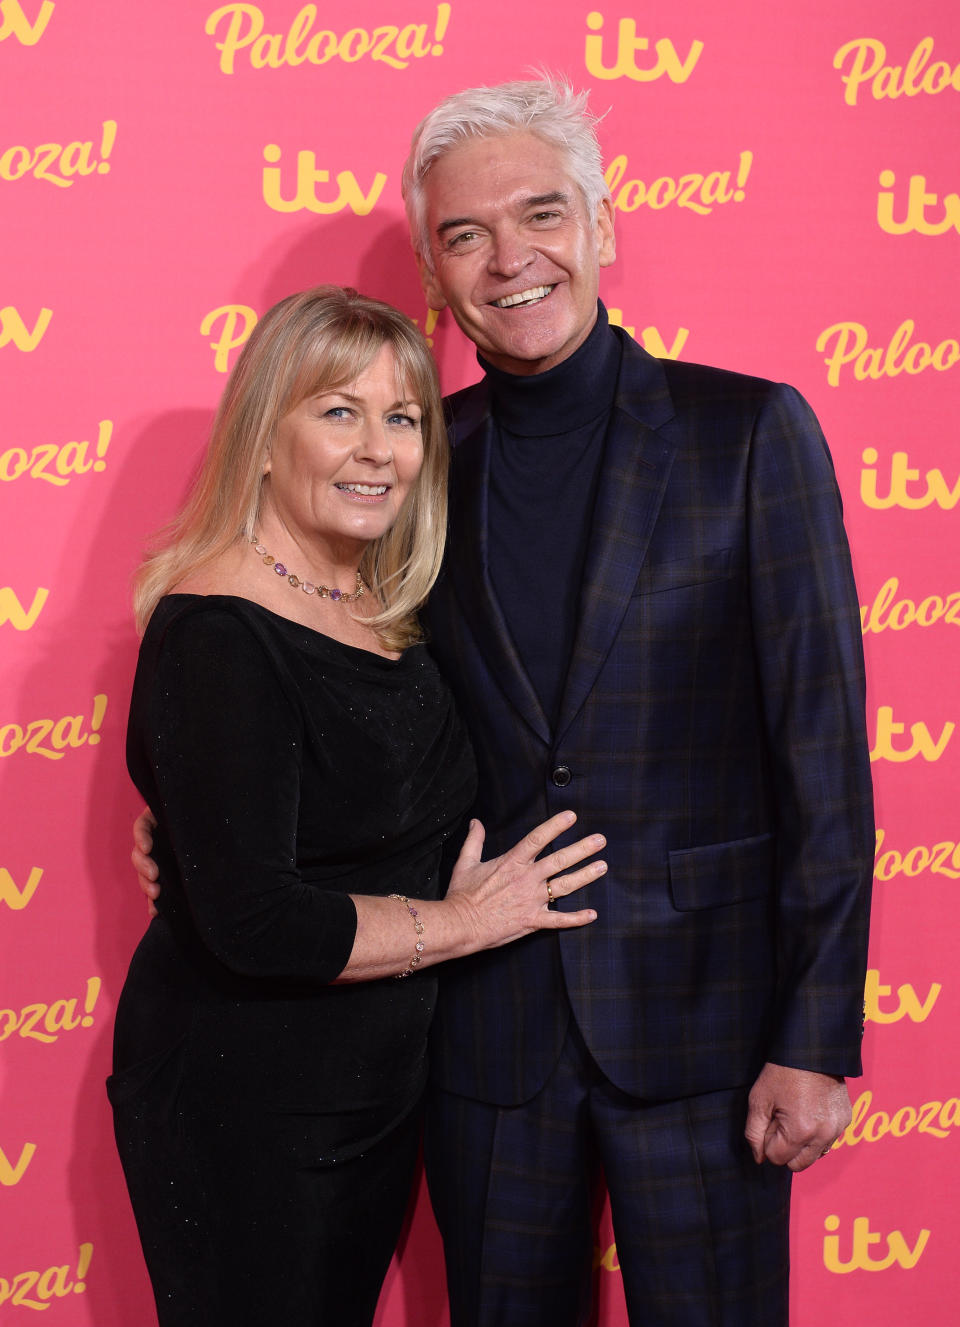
(324, 591)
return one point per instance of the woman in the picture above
(306, 768)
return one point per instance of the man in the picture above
(648, 615)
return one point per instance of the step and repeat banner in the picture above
(787, 192)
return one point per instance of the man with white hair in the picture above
(648, 615)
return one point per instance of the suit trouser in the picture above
(702, 1231)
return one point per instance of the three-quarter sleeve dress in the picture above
(265, 1116)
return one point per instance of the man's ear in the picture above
(431, 287)
(606, 237)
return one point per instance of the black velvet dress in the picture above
(267, 1121)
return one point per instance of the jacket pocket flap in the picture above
(717, 874)
(655, 577)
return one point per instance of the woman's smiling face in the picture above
(342, 463)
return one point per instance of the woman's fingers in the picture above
(565, 921)
(472, 849)
(568, 856)
(518, 881)
(568, 884)
(533, 844)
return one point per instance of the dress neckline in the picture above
(291, 623)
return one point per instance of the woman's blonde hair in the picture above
(307, 344)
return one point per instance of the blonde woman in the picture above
(306, 769)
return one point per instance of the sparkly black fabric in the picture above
(285, 770)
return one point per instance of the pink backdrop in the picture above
(787, 185)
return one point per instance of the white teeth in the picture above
(366, 490)
(524, 297)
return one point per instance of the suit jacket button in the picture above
(561, 776)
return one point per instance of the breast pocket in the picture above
(675, 574)
(718, 874)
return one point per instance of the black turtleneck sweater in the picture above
(544, 468)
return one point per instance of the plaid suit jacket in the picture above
(712, 727)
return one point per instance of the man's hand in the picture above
(795, 1116)
(143, 863)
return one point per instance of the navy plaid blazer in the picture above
(712, 727)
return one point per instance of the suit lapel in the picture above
(636, 466)
(468, 559)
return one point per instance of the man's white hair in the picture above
(547, 107)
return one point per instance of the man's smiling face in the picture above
(516, 256)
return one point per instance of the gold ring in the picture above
(550, 898)
(826, 1150)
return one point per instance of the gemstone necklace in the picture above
(324, 591)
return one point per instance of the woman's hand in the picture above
(487, 905)
(507, 897)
